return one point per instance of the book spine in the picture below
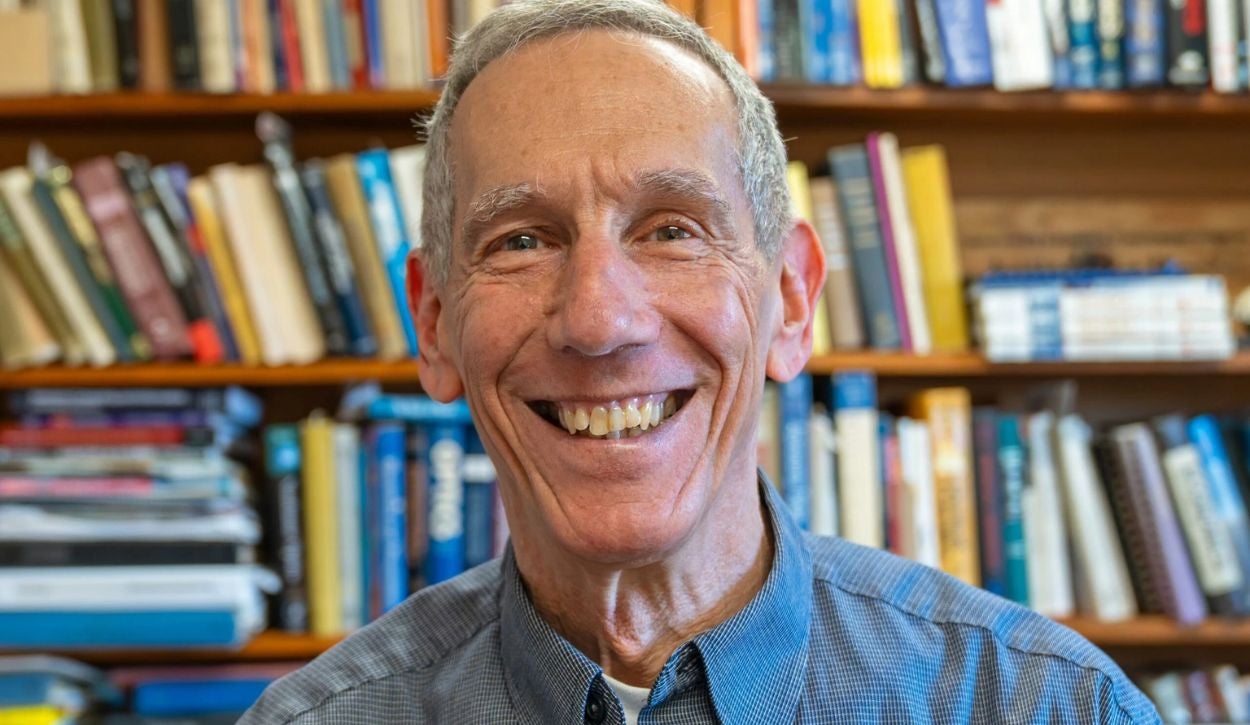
(161, 436)
(949, 415)
(1111, 31)
(319, 498)
(119, 629)
(121, 553)
(1187, 44)
(817, 18)
(1226, 495)
(339, 268)
(965, 42)
(282, 469)
(823, 520)
(290, 43)
(930, 41)
(356, 36)
(155, 74)
(1144, 48)
(479, 501)
(767, 60)
(796, 409)
(183, 45)
(860, 500)
(1050, 569)
(920, 517)
(906, 253)
(388, 226)
(989, 500)
(746, 34)
(1083, 50)
(445, 458)
(392, 515)
(839, 297)
(101, 44)
(26, 270)
(1056, 12)
(908, 43)
(859, 210)
(933, 214)
(885, 221)
(348, 486)
(371, 16)
(787, 40)
(126, 29)
(336, 44)
(1222, 39)
(276, 45)
(880, 43)
(892, 484)
(1011, 466)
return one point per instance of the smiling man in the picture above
(609, 272)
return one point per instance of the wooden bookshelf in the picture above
(270, 646)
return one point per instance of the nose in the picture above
(604, 305)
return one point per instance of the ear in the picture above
(439, 377)
(801, 278)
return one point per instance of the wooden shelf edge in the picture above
(1160, 631)
(268, 646)
(128, 105)
(345, 370)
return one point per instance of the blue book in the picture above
(83, 629)
(965, 42)
(336, 44)
(373, 43)
(816, 26)
(444, 462)
(277, 47)
(844, 61)
(374, 167)
(479, 501)
(768, 41)
(1111, 44)
(1226, 496)
(388, 505)
(796, 410)
(1011, 477)
(989, 500)
(1083, 50)
(368, 402)
(189, 698)
(1144, 46)
(368, 530)
(857, 202)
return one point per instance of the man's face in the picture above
(605, 270)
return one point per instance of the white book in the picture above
(1210, 541)
(212, 29)
(1222, 37)
(71, 63)
(399, 46)
(23, 522)
(823, 515)
(200, 586)
(920, 540)
(314, 57)
(1020, 45)
(419, 18)
(905, 251)
(408, 172)
(859, 477)
(348, 488)
(1045, 533)
(16, 187)
(1101, 568)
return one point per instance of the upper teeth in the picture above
(616, 418)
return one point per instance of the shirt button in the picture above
(596, 711)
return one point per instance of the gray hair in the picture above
(761, 153)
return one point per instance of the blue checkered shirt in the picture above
(838, 633)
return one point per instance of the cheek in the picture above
(717, 309)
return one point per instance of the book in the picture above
(101, 37)
(1223, 34)
(1226, 495)
(920, 541)
(823, 511)
(184, 47)
(400, 46)
(479, 501)
(27, 70)
(126, 29)
(927, 184)
(880, 43)
(314, 53)
(71, 64)
(25, 341)
(155, 71)
(389, 232)
(817, 19)
(795, 412)
(324, 572)
(348, 487)
(839, 297)
(389, 488)
(445, 556)
(22, 266)
(801, 208)
(990, 509)
(408, 168)
(122, 553)
(336, 43)
(287, 42)
(934, 64)
(860, 498)
(1111, 29)
(1020, 50)
(1012, 472)
(965, 42)
(1188, 64)
(892, 482)
(1145, 51)
(283, 463)
(949, 416)
(1045, 528)
(883, 154)
(212, 29)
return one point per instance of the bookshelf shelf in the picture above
(791, 100)
(339, 371)
(271, 646)
(1159, 631)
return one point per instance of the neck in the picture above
(631, 620)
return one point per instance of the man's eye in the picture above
(521, 243)
(669, 233)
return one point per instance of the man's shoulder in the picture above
(950, 629)
(427, 629)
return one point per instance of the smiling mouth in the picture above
(612, 420)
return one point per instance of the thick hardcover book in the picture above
(122, 553)
(860, 501)
(1187, 44)
(796, 409)
(349, 492)
(212, 30)
(336, 43)
(948, 412)
(1020, 45)
(1111, 29)
(934, 64)
(1145, 47)
(937, 244)
(154, 435)
(190, 627)
(1227, 496)
(277, 48)
(285, 529)
(1083, 51)
(314, 54)
(126, 29)
(174, 258)
(1129, 527)
(1172, 572)
(886, 222)
(389, 232)
(184, 45)
(479, 501)
(989, 500)
(28, 341)
(883, 153)
(1012, 472)
(965, 42)
(839, 295)
(859, 211)
(357, 37)
(908, 42)
(276, 136)
(340, 270)
(444, 459)
(372, 21)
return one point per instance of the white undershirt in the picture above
(633, 699)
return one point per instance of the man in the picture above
(609, 272)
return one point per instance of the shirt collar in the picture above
(759, 655)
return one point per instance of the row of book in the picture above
(115, 260)
(1218, 694)
(260, 46)
(398, 493)
(128, 518)
(46, 690)
(1037, 507)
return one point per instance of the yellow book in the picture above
(32, 715)
(882, 50)
(948, 411)
(204, 207)
(25, 340)
(321, 526)
(801, 207)
(937, 243)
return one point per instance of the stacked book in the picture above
(43, 690)
(1102, 315)
(1034, 506)
(1213, 694)
(395, 494)
(115, 260)
(126, 520)
(194, 695)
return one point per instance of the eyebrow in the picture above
(686, 184)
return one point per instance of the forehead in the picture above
(593, 103)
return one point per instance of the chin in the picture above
(628, 535)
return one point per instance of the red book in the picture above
(290, 46)
(440, 47)
(357, 43)
(894, 491)
(84, 487)
(139, 274)
(154, 435)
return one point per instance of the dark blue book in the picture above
(84, 629)
(1111, 29)
(816, 20)
(1226, 495)
(373, 43)
(1145, 49)
(189, 698)
(989, 500)
(856, 201)
(1083, 46)
(479, 501)
(765, 16)
(445, 556)
(374, 168)
(796, 410)
(965, 42)
(1011, 476)
(280, 78)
